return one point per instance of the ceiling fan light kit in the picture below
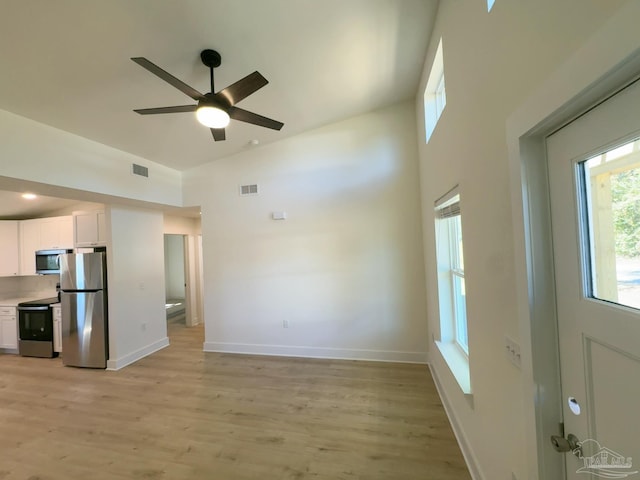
(212, 117)
(214, 110)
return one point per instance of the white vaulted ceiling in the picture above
(66, 63)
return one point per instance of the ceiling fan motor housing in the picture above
(212, 100)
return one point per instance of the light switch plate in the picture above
(512, 349)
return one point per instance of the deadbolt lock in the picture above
(569, 444)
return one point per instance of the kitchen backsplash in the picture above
(33, 286)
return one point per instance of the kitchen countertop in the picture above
(13, 302)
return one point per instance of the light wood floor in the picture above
(183, 414)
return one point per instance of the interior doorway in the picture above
(183, 279)
(175, 279)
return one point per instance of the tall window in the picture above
(435, 97)
(454, 339)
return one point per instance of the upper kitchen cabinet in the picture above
(89, 228)
(9, 263)
(29, 244)
(56, 233)
(51, 233)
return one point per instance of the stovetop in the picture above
(44, 302)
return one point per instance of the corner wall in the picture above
(137, 318)
(492, 63)
(344, 270)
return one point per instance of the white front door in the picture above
(594, 178)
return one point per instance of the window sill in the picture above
(458, 364)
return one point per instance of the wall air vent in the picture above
(249, 189)
(139, 170)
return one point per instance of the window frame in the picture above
(435, 99)
(456, 272)
(453, 341)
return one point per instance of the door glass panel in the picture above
(611, 191)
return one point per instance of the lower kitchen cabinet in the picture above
(8, 329)
(57, 328)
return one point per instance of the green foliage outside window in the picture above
(625, 191)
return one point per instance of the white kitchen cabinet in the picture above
(43, 234)
(8, 329)
(89, 228)
(9, 246)
(56, 232)
(29, 244)
(57, 328)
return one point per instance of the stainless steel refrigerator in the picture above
(83, 294)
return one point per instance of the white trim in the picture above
(610, 58)
(137, 355)
(444, 200)
(458, 363)
(436, 84)
(465, 446)
(317, 352)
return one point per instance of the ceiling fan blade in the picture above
(176, 109)
(250, 117)
(218, 134)
(243, 88)
(167, 77)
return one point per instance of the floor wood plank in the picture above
(185, 414)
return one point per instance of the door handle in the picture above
(570, 444)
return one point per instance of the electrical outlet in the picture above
(285, 324)
(512, 349)
(143, 326)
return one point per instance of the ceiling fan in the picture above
(214, 110)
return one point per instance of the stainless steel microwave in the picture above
(48, 261)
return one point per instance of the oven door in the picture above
(35, 323)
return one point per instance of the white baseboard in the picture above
(467, 453)
(137, 355)
(317, 352)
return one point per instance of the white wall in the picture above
(181, 225)
(492, 62)
(344, 269)
(137, 318)
(80, 206)
(36, 152)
